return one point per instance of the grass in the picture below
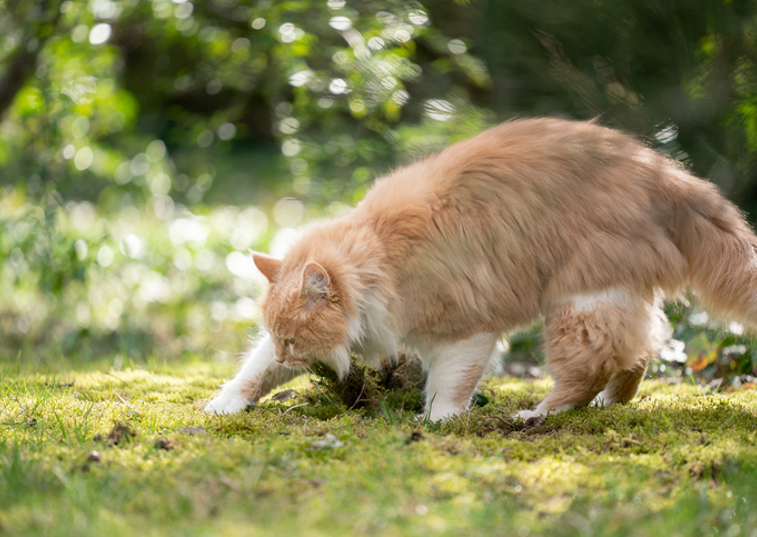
(680, 460)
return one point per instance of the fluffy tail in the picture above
(720, 249)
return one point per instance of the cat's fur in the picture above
(570, 220)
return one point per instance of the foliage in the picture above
(330, 84)
(134, 111)
(682, 73)
(127, 281)
(145, 146)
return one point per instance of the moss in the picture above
(681, 459)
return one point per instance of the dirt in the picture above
(165, 444)
(119, 435)
(365, 387)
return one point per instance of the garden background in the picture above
(145, 146)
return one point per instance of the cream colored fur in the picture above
(541, 217)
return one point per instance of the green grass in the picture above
(681, 460)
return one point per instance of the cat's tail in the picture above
(720, 248)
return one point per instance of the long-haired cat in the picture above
(569, 220)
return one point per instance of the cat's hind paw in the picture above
(542, 411)
(227, 403)
(527, 414)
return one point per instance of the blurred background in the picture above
(145, 146)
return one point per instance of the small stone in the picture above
(94, 456)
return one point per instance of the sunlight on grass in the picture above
(676, 455)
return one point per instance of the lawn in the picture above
(130, 452)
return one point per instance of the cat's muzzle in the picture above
(293, 363)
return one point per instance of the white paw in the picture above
(603, 399)
(525, 414)
(542, 410)
(228, 402)
(440, 413)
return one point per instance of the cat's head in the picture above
(305, 313)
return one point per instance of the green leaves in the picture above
(29, 101)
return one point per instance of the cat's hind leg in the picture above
(594, 342)
(624, 384)
(454, 371)
(259, 375)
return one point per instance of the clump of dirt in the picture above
(533, 427)
(120, 434)
(399, 383)
(165, 444)
(416, 436)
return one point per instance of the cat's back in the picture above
(483, 230)
(537, 163)
(547, 153)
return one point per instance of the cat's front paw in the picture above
(228, 402)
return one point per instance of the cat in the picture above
(568, 220)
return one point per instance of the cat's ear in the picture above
(316, 283)
(267, 265)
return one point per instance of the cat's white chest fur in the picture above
(372, 334)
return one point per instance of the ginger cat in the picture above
(576, 222)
